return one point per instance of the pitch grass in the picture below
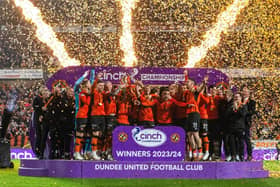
(10, 178)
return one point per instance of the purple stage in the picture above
(118, 169)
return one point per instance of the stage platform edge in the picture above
(119, 169)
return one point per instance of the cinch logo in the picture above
(148, 137)
(118, 75)
(270, 156)
(112, 76)
(22, 155)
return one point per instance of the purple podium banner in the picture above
(131, 143)
(148, 75)
(149, 170)
(138, 169)
(258, 154)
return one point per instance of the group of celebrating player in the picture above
(206, 113)
(209, 116)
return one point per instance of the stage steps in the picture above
(34, 172)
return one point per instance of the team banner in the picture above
(21, 74)
(148, 75)
(264, 144)
(264, 154)
(259, 153)
(149, 169)
(265, 150)
(135, 143)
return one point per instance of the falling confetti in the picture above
(213, 36)
(45, 33)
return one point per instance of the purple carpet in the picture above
(116, 169)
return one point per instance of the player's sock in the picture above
(106, 143)
(190, 148)
(87, 147)
(205, 143)
(94, 141)
(190, 151)
(100, 143)
(109, 142)
(200, 153)
(78, 144)
(194, 153)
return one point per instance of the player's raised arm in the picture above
(203, 85)
(80, 80)
(96, 80)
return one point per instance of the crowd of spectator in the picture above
(163, 33)
(265, 90)
(19, 125)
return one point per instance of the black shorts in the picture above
(203, 126)
(81, 124)
(97, 123)
(111, 121)
(180, 122)
(193, 122)
(147, 124)
(132, 121)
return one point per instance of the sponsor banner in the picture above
(265, 144)
(21, 74)
(131, 143)
(153, 76)
(18, 153)
(202, 170)
(250, 73)
(264, 150)
(142, 166)
(265, 154)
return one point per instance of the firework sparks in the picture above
(213, 36)
(126, 40)
(45, 33)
